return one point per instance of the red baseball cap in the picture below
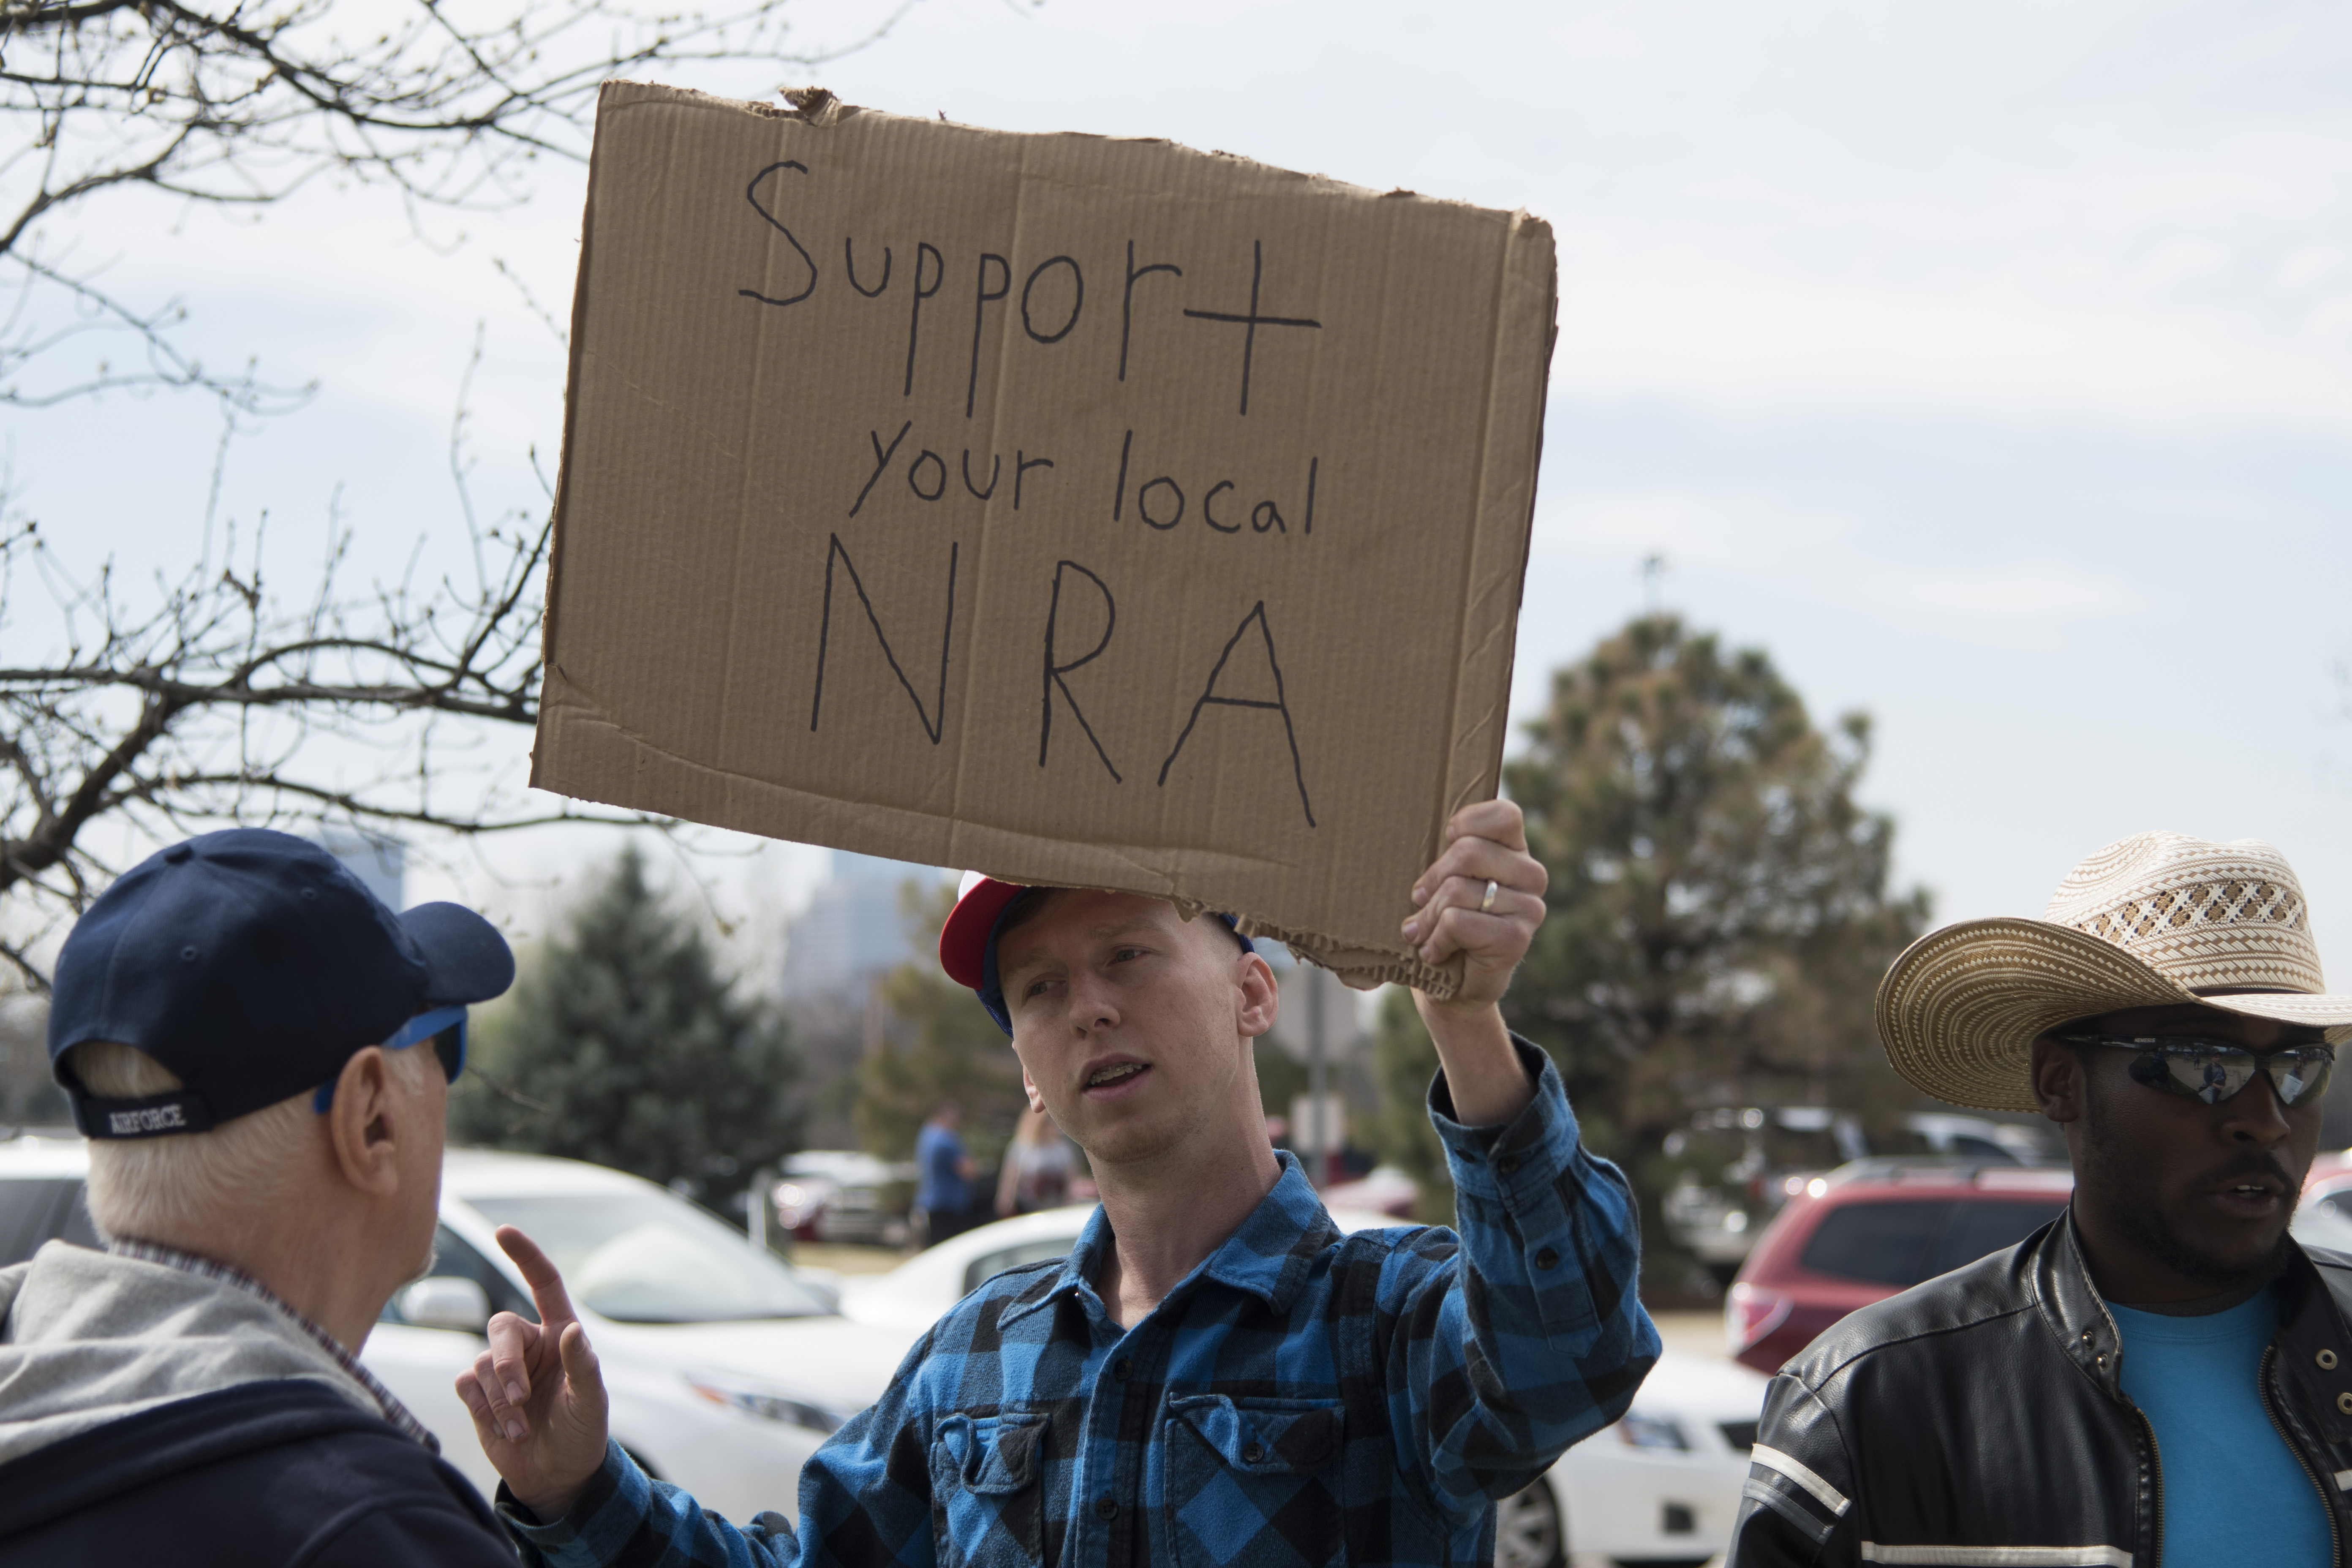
(968, 939)
(963, 940)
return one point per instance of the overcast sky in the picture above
(1986, 365)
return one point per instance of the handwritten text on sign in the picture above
(1050, 306)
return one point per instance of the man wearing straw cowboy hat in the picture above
(2162, 1374)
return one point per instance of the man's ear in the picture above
(1261, 999)
(1029, 1087)
(2058, 1081)
(366, 1123)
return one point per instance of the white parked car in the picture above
(726, 1369)
(1660, 1486)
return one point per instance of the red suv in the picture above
(1865, 1231)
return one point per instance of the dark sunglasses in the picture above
(445, 1027)
(2214, 1071)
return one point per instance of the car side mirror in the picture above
(447, 1301)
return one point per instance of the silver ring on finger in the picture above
(1486, 904)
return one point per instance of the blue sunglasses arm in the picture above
(424, 1027)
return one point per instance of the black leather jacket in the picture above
(1980, 1419)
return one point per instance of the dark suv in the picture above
(1865, 1231)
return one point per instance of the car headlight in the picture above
(1640, 1431)
(769, 1403)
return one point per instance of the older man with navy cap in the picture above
(1215, 1374)
(235, 1023)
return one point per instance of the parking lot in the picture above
(730, 1365)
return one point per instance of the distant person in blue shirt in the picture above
(945, 1172)
(1214, 1374)
(2161, 1377)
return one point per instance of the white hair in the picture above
(186, 1184)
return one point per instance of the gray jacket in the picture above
(148, 1413)
(86, 1338)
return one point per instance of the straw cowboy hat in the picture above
(2156, 919)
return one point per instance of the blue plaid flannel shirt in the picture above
(1302, 1398)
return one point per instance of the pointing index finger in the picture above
(539, 1271)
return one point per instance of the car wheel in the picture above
(1528, 1532)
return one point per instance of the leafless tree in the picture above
(176, 700)
(173, 705)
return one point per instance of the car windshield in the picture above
(1906, 1241)
(648, 1258)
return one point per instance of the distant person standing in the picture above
(1036, 1174)
(945, 1172)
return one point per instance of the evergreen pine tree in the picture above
(624, 1045)
(1720, 910)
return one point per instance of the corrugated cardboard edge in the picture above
(571, 718)
(1493, 571)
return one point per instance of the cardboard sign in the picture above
(1092, 513)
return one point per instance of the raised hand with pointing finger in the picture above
(537, 1395)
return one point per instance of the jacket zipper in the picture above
(2154, 1451)
(2156, 1486)
(2326, 1503)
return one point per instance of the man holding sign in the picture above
(1215, 1374)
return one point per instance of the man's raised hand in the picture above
(1484, 843)
(536, 1395)
(1482, 898)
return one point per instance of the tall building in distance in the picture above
(853, 930)
(853, 933)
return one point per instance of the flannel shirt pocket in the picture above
(1251, 1482)
(988, 1508)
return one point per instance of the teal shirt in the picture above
(2234, 1492)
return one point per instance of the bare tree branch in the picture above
(450, 103)
(217, 703)
(157, 709)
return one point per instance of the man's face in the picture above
(2206, 1190)
(1132, 1024)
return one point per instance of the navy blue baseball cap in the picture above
(253, 964)
(968, 939)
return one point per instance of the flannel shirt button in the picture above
(1106, 1508)
(1123, 1368)
(1507, 1163)
(1546, 1258)
(1254, 1453)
